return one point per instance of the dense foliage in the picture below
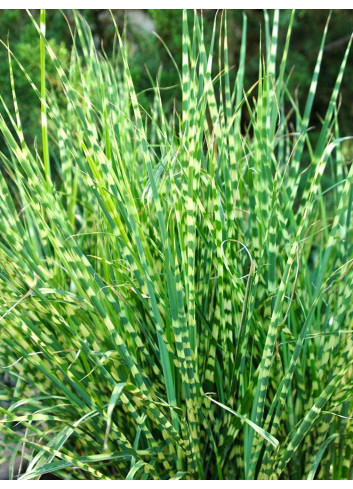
(175, 286)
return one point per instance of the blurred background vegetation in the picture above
(148, 55)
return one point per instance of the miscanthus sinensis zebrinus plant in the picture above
(176, 288)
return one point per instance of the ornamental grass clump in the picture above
(175, 287)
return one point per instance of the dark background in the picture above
(147, 53)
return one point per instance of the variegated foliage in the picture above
(176, 288)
